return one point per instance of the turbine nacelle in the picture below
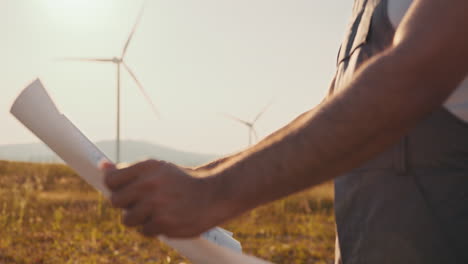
(117, 60)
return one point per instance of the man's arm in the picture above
(390, 93)
(212, 165)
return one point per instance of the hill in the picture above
(131, 151)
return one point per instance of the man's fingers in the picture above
(116, 178)
(134, 191)
(139, 213)
(150, 228)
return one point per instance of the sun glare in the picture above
(77, 12)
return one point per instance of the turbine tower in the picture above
(119, 62)
(250, 124)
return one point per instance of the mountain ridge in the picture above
(131, 151)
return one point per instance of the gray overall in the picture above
(410, 203)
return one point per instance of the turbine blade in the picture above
(135, 26)
(142, 89)
(259, 115)
(238, 120)
(87, 59)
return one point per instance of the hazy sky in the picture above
(196, 58)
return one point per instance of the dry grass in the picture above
(48, 215)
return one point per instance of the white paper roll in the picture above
(36, 110)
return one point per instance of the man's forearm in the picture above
(215, 163)
(362, 120)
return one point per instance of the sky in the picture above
(198, 59)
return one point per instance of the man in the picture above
(391, 133)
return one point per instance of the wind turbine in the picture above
(250, 124)
(119, 62)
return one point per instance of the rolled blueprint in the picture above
(35, 109)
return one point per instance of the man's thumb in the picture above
(106, 166)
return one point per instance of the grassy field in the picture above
(48, 215)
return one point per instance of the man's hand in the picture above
(161, 198)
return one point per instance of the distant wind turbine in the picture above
(119, 61)
(250, 124)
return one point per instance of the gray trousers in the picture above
(410, 204)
